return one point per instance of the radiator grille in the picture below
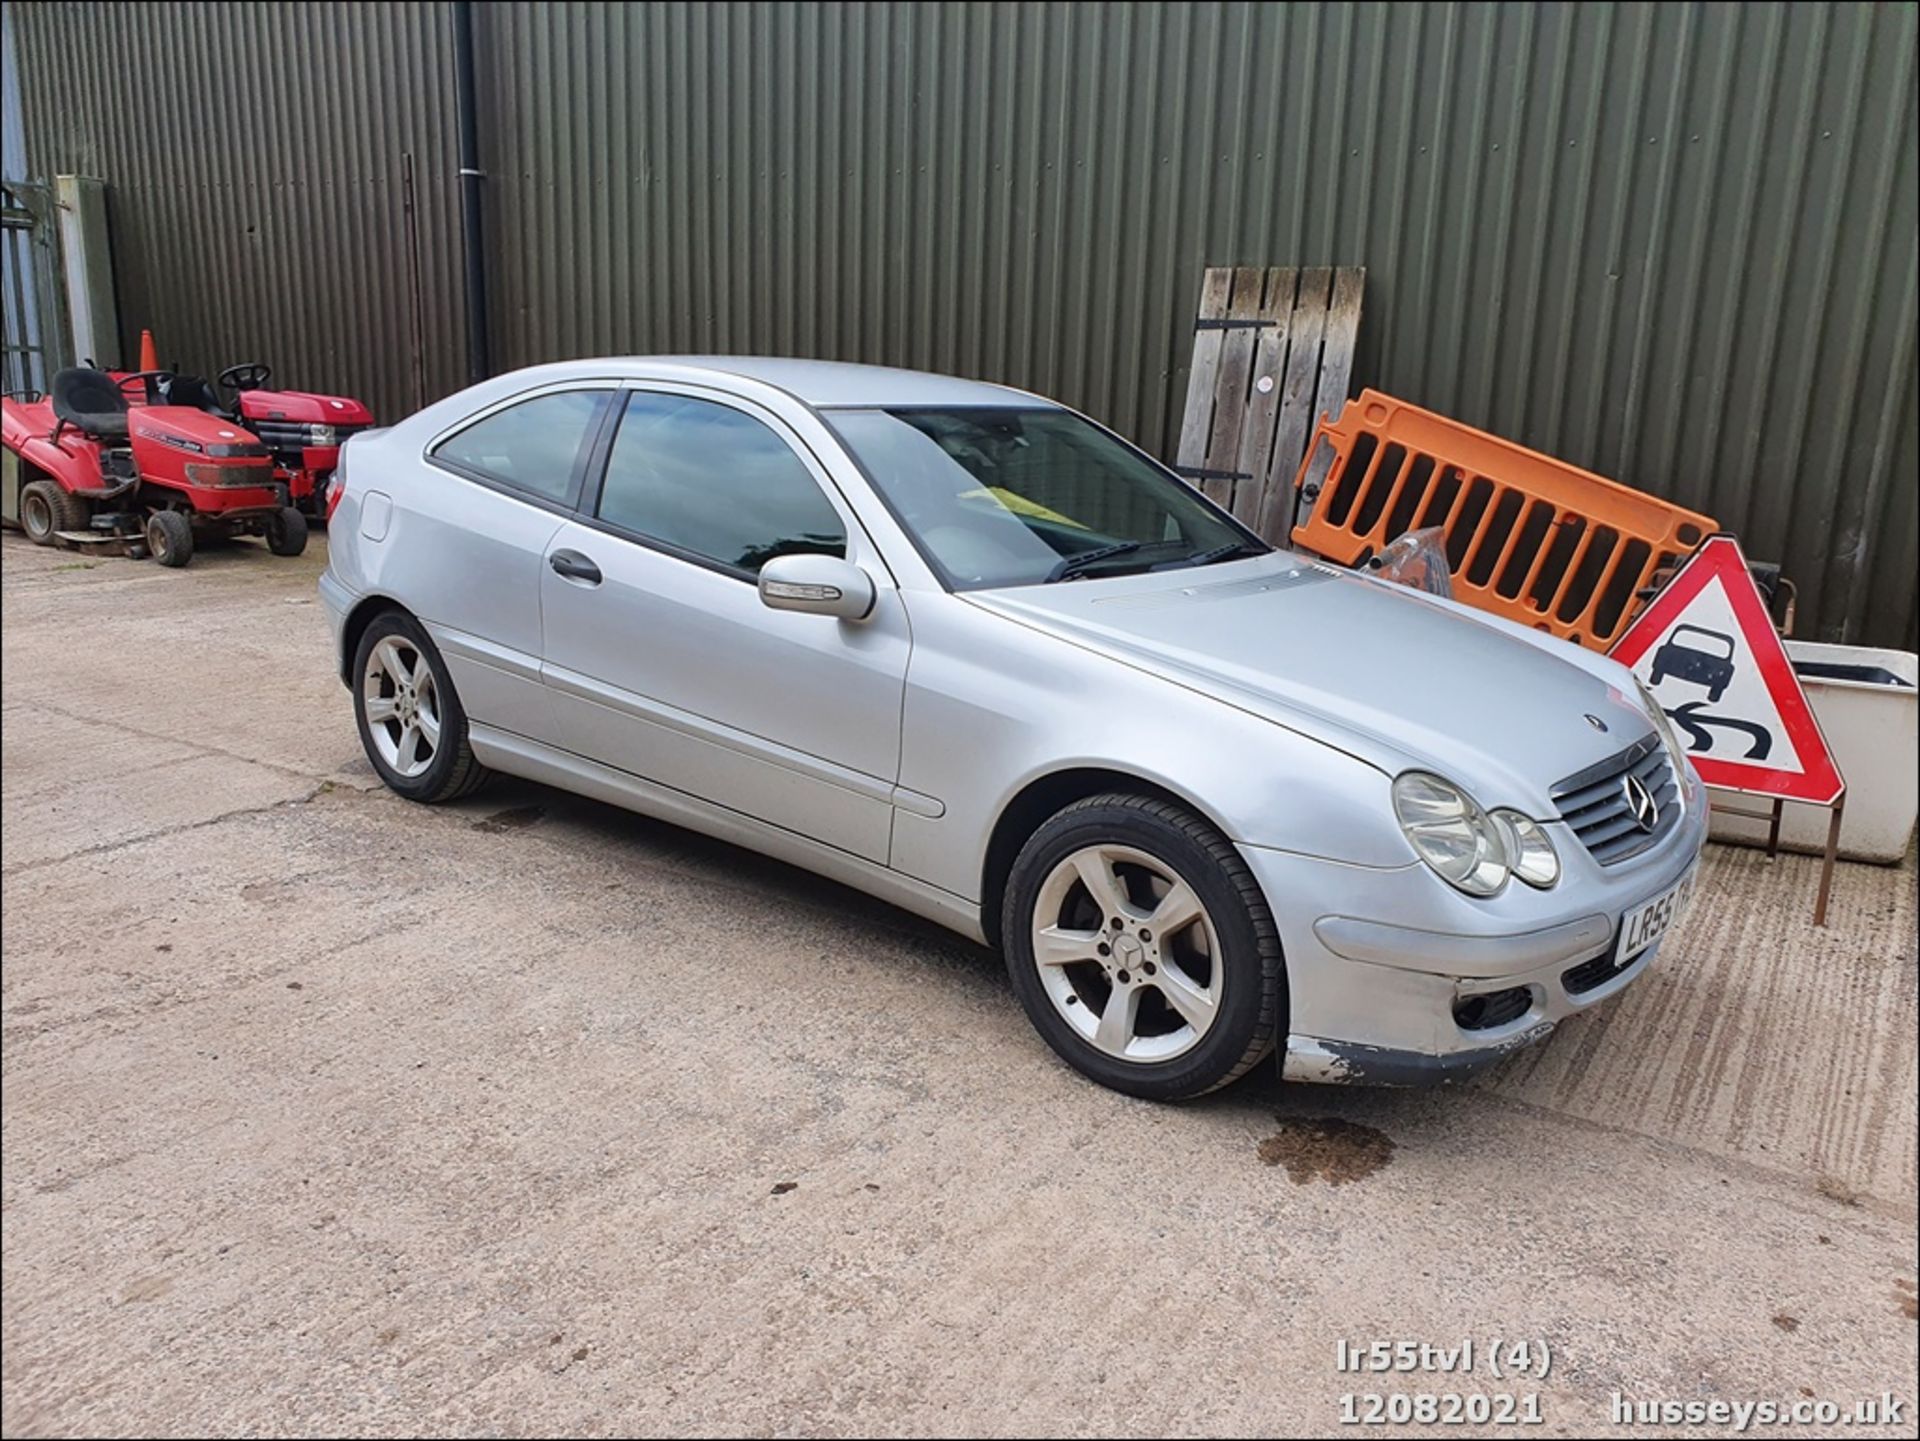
(1594, 802)
(294, 434)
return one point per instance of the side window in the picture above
(707, 479)
(532, 446)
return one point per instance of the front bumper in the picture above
(1378, 959)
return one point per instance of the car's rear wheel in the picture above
(1142, 948)
(411, 721)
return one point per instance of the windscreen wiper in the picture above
(1074, 564)
(1219, 552)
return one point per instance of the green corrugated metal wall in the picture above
(1675, 243)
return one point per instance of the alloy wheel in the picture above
(1127, 953)
(402, 706)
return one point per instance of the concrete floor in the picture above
(325, 1112)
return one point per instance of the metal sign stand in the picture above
(1772, 817)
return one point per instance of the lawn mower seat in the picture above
(91, 402)
(191, 390)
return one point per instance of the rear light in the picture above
(336, 485)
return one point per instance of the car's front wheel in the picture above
(411, 720)
(1142, 948)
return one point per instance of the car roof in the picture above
(841, 383)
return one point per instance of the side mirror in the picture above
(818, 585)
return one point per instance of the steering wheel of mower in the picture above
(151, 379)
(251, 376)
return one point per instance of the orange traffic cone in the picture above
(149, 352)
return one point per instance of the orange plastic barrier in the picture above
(1529, 537)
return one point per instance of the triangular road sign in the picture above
(1707, 649)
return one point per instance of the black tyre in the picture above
(1142, 948)
(286, 531)
(170, 538)
(411, 721)
(45, 509)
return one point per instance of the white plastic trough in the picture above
(1872, 721)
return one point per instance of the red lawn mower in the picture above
(108, 458)
(303, 430)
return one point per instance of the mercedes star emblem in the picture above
(1641, 805)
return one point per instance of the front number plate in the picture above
(1644, 925)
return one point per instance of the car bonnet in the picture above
(1394, 677)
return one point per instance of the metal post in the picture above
(414, 301)
(1826, 862)
(1773, 830)
(479, 362)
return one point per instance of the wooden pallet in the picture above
(1272, 353)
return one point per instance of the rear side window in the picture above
(716, 483)
(533, 446)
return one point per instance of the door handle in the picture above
(574, 566)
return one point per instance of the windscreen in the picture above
(1026, 496)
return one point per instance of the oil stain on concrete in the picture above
(1327, 1149)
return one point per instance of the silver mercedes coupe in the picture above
(965, 649)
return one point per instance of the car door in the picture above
(467, 537)
(663, 662)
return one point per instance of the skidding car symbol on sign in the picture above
(1709, 665)
(1708, 652)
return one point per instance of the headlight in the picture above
(1446, 826)
(320, 435)
(1530, 849)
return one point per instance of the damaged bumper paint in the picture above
(1452, 985)
(1349, 1063)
